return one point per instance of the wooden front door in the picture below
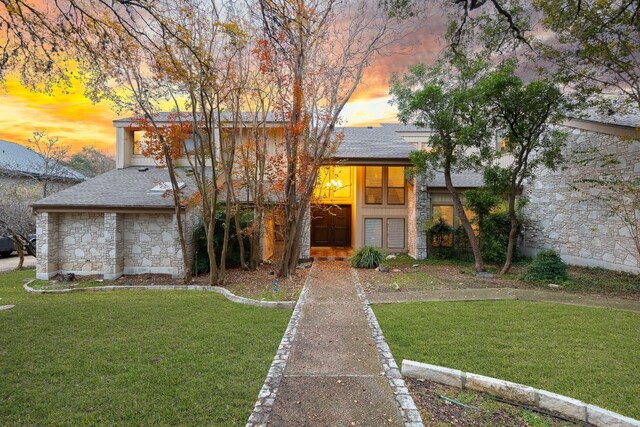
(331, 225)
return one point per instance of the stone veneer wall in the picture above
(579, 227)
(81, 242)
(111, 243)
(151, 244)
(418, 211)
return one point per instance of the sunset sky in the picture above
(77, 122)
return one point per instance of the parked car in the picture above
(6, 246)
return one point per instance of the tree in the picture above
(16, 216)
(52, 155)
(445, 99)
(91, 162)
(596, 45)
(528, 113)
(314, 53)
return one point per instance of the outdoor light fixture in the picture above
(335, 184)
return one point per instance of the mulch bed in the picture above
(258, 284)
(483, 411)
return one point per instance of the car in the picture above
(6, 246)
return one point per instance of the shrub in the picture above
(201, 264)
(367, 257)
(547, 266)
(494, 237)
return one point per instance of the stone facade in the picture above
(418, 210)
(580, 228)
(81, 242)
(110, 243)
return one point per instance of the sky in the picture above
(77, 122)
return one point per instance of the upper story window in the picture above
(373, 185)
(138, 141)
(395, 185)
(381, 180)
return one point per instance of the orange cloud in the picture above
(67, 115)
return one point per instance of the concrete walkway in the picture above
(333, 375)
(504, 294)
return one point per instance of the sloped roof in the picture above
(166, 117)
(466, 179)
(19, 159)
(118, 188)
(373, 143)
(628, 119)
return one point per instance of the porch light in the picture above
(335, 184)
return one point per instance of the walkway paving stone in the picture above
(333, 375)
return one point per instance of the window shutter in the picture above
(395, 233)
(373, 232)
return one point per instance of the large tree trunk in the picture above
(457, 204)
(210, 224)
(20, 249)
(225, 241)
(236, 215)
(513, 234)
(178, 214)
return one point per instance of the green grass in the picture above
(587, 353)
(131, 357)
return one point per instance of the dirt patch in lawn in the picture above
(406, 274)
(427, 277)
(479, 410)
(257, 284)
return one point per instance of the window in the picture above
(373, 185)
(445, 212)
(395, 233)
(373, 232)
(395, 185)
(138, 141)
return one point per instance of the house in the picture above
(20, 165)
(122, 223)
(579, 226)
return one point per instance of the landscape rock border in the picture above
(408, 410)
(563, 405)
(227, 294)
(261, 413)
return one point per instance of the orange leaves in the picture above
(162, 141)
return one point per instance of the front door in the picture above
(331, 225)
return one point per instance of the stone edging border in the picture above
(227, 294)
(6, 307)
(407, 407)
(261, 414)
(572, 408)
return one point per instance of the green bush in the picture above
(201, 264)
(494, 237)
(367, 257)
(547, 266)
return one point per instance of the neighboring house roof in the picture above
(372, 144)
(119, 188)
(169, 117)
(399, 127)
(21, 160)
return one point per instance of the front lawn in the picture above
(131, 357)
(591, 354)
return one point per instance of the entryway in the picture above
(331, 225)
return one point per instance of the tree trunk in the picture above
(513, 234)
(457, 203)
(20, 249)
(225, 241)
(213, 265)
(236, 215)
(178, 214)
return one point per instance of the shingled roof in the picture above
(372, 144)
(119, 188)
(21, 160)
